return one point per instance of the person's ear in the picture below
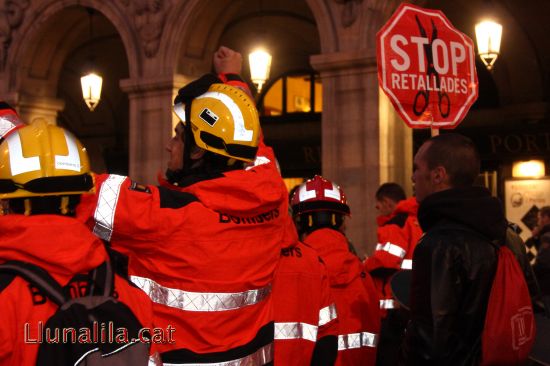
(439, 175)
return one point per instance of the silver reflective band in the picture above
(407, 264)
(260, 357)
(296, 331)
(392, 249)
(106, 206)
(327, 314)
(199, 301)
(357, 340)
(387, 304)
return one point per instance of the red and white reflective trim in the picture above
(393, 249)
(296, 330)
(106, 206)
(357, 340)
(387, 304)
(327, 314)
(407, 264)
(199, 301)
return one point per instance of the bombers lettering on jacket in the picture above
(67, 250)
(259, 219)
(306, 326)
(208, 278)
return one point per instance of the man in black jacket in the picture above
(454, 263)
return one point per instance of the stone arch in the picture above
(38, 25)
(41, 77)
(187, 47)
(325, 24)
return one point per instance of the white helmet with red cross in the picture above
(319, 194)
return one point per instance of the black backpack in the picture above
(95, 329)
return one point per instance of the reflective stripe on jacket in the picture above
(357, 302)
(397, 238)
(303, 308)
(205, 253)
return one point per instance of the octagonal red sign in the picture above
(426, 67)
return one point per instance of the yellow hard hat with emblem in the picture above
(43, 160)
(224, 121)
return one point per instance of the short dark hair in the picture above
(545, 211)
(457, 154)
(392, 191)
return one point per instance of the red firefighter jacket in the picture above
(303, 309)
(205, 254)
(64, 247)
(397, 238)
(356, 299)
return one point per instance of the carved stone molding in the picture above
(149, 17)
(12, 13)
(349, 12)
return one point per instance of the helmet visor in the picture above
(73, 183)
(242, 151)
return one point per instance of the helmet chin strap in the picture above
(188, 141)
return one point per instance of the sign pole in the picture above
(435, 131)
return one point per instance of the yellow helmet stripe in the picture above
(240, 132)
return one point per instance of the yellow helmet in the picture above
(43, 160)
(224, 121)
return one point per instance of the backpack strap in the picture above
(38, 277)
(102, 275)
(50, 288)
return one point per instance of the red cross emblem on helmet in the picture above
(319, 194)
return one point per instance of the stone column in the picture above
(151, 124)
(396, 146)
(32, 107)
(364, 141)
(350, 136)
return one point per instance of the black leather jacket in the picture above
(454, 267)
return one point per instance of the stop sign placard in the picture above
(426, 67)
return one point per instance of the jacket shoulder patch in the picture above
(134, 186)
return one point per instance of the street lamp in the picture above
(260, 63)
(91, 82)
(91, 89)
(488, 36)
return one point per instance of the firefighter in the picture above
(398, 233)
(44, 170)
(205, 243)
(306, 323)
(319, 207)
